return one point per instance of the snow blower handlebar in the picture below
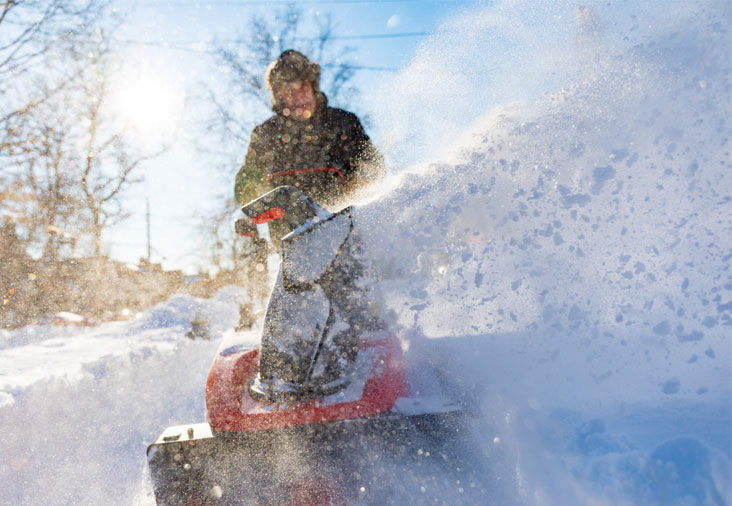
(285, 209)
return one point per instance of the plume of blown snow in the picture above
(593, 220)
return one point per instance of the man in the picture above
(322, 150)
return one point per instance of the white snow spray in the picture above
(567, 258)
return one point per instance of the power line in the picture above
(184, 43)
(363, 67)
(185, 46)
(243, 3)
(370, 36)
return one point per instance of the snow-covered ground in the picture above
(566, 269)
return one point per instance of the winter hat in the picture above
(289, 67)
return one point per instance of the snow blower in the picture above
(322, 412)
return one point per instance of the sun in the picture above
(151, 105)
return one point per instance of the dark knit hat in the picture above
(289, 67)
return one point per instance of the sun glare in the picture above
(151, 105)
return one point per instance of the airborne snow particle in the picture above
(672, 386)
(710, 322)
(601, 175)
(394, 21)
(691, 337)
(663, 328)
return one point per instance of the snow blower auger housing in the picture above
(325, 394)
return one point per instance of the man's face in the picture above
(297, 100)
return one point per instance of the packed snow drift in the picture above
(563, 261)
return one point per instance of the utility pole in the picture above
(147, 216)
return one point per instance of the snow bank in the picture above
(40, 352)
(222, 310)
(79, 409)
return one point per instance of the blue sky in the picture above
(179, 185)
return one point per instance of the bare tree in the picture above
(35, 38)
(242, 101)
(32, 34)
(66, 158)
(111, 161)
(49, 207)
(65, 147)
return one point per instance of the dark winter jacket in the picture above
(328, 156)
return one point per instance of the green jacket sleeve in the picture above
(369, 163)
(251, 180)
